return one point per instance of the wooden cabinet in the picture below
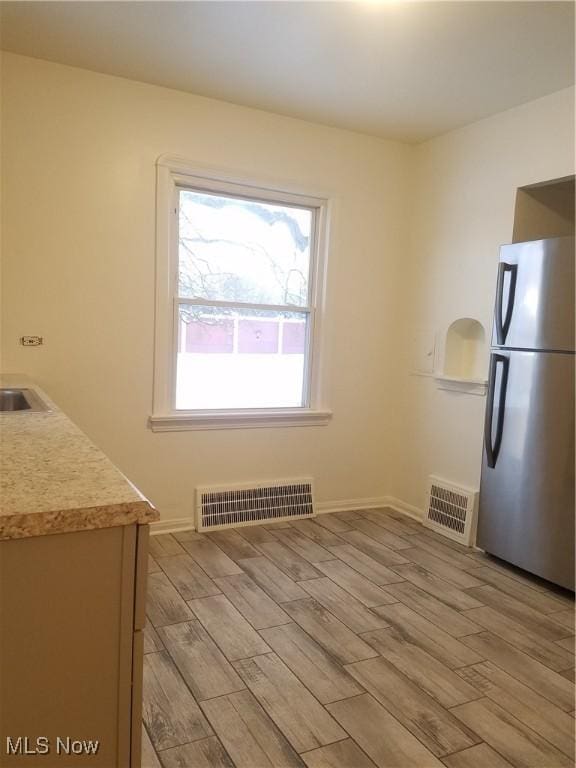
(71, 647)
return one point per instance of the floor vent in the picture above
(452, 511)
(252, 503)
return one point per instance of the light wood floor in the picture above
(354, 640)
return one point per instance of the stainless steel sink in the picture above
(21, 400)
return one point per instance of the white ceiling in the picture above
(405, 70)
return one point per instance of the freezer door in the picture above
(535, 296)
(526, 513)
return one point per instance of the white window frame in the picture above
(173, 174)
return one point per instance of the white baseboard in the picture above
(378, 502)
(406, 509)
(349, 505)
(174, 525)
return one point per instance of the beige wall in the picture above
(465, 189)
(79, 150)
(416, 240)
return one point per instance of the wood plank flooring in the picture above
(353, 640)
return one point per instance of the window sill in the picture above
(247, 419)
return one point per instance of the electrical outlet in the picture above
(31, 341)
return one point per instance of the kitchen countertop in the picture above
(53, 479)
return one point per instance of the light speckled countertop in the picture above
(53, 479)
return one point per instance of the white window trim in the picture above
(171, 173)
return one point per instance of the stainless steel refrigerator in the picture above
(526, 512)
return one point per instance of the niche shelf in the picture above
(464, 359)
(544, 210)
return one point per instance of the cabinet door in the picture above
(66, 627)
(141, 576)
(138, 643)
(137, 675)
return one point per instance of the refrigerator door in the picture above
(526, 513)
(535, 296)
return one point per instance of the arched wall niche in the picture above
(465, 350)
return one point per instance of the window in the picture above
(239, 270)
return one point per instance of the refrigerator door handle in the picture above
(503, 324)
(493, 448)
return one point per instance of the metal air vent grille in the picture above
(451, 510)
(250, 504)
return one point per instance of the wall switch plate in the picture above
(31, 341)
